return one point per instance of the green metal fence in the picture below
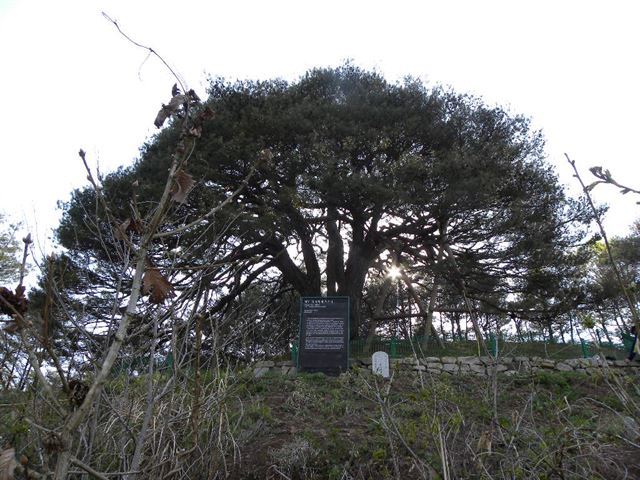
(401, 347)
(141, 364)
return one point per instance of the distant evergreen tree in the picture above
(10, 248)
(605, 296)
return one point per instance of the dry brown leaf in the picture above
(121, 232)
(156, 286)
(13, 326)
(193, 96)
(167, 110)
(13, 302)
(266, 155)
(7, 463)
(182, 186)
(178, 99)
(77, 392)
(52, 443)
(206, 114)
(484, 442)
(195, 132)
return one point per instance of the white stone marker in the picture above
(380, 364)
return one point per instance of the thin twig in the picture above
(149, 49)
(88, 469)
(23, 266)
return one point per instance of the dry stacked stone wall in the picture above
(480, 366)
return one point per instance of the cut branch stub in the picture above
(7, 463)
(156, 286)
(182, 186)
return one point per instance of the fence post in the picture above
(294, 353)
(493, 344)
(585, 348)
(394, 347)
(356, 347)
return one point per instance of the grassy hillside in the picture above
(547, 425)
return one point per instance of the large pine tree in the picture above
(357, 169)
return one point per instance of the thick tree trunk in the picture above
(373, 325)
(428, 316)
(550, 328)
(518, 325)
(603, 323)
(428, 326)
(306, 284)
(348, 281)
(620, 316)
(461, 335)
(617, 318)
(428, 321)
(311, 265)
(343, 278)
(571, 329)
(335, 253)
(354, 292)
(362, 252)
(463, 288)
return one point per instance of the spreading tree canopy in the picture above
(357, 172)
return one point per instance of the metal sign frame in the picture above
(333, 358)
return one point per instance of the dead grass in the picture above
(546, 427)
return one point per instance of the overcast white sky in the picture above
(69, 80)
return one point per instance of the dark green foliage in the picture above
(358, 167)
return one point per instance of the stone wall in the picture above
(285, 367)
(471, 365)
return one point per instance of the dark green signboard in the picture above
(324, 335)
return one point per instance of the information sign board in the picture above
(324, 335)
